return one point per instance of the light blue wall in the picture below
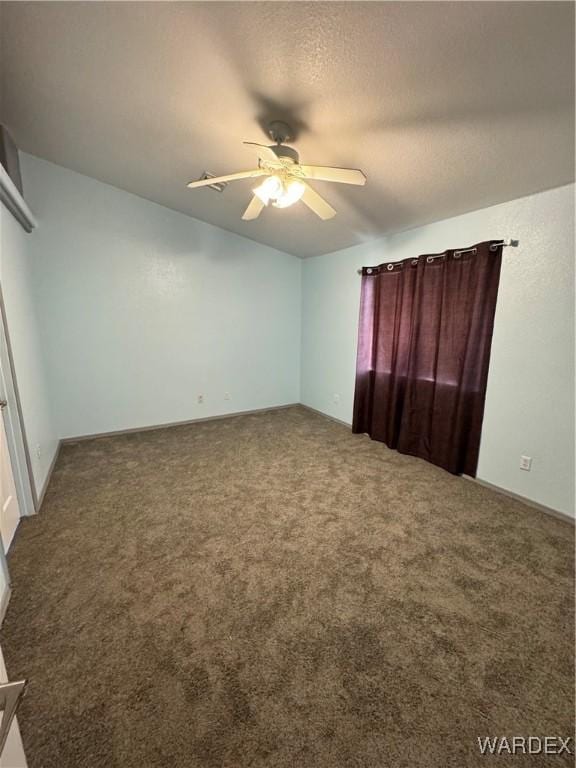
(141, 309)
(29, 359)
(530, 397)
(122, 312)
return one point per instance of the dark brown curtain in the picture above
(423, 351)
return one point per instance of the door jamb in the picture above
(16, 435)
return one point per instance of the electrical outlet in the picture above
(38, 451)
(200, 399)
(526, 463)
(226, 395)
(336, 398)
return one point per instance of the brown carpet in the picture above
(271, 590)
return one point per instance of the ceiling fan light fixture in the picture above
(293, 191)
(283, 178)
(270, 189)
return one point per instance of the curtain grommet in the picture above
(369, 271)
(390, 267)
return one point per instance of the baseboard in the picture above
(151, 428)
(543, 508)
(95, 436)
(547, 510)
(48, 476)
(326, 415)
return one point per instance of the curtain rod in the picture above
(510, 243)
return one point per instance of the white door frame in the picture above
(14, 424)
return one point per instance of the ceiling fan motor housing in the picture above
(279, 131)
(285, 153)
(285, 178)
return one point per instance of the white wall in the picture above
(142, 309)
(29, 361)
(530, 397)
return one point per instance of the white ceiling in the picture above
(447, 107)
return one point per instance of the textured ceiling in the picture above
(447, 107)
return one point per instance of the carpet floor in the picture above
(272, 591)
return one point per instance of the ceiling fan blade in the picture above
(265, 152)
(229, 177)
(254, 209)
(340, 175)
(316, 203)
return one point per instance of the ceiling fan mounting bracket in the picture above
(280, 132)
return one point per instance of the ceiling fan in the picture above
(285, 178)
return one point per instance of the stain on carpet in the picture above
(271, 591)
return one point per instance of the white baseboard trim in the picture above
(151, 428)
